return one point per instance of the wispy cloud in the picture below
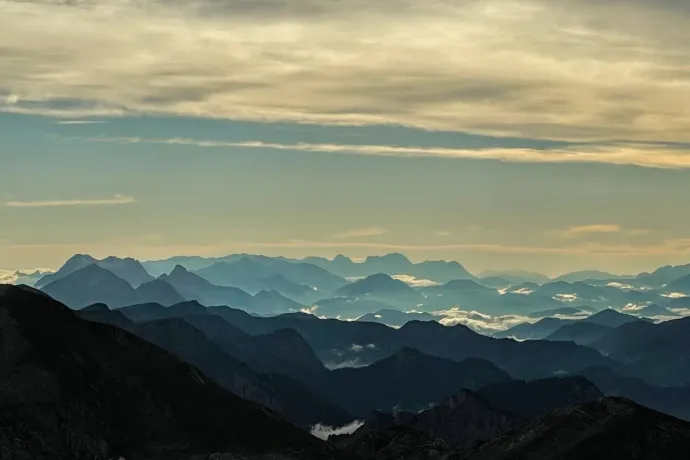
(579, 70)
(643, 155)
(362, 233)
(80, 122)
(600, 229)
(324, 431)
(667, 247)
(115, 200)
(592, 229)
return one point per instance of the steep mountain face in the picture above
(78, 389)
(581, 332)
(529, 399)
(194, 287)
(611, 428)
(409, 380)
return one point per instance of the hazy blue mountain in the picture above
(580, 332)
(585, 275)
(88, 285)
(127, 269)
(408, 380)
(247, 271)
(534, 331)
(663, 275)
(679, 285)
(611, 318)
(382, 288)
(653, 310)
(517, 276)
(392, 264)
(566, 311)
(194, 287)
(397, 318)
(348, 307)
(80, 389)
(495, 282)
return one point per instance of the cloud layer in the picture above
(644, 155)
(567, 69)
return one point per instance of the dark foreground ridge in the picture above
(76, 389)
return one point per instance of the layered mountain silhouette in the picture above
(127, 269)
(408, 380)
(79, 389)
(194, 287)
(383, 288)
(580, 332)
(397, 318)
(94, 284)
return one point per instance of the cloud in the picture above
(415, 282)
(674, 246)
(480, 322)
(642, 155)
(115, 200)
(362, 233)
(578, 69)
(600, 229)
(80, 122)
(325, 431)
(592, 229)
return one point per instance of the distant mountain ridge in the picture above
(127, 269)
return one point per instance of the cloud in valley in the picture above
(325, 431)
(480, 322)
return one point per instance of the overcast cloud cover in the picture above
(578, 70)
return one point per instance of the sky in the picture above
(540, 135)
